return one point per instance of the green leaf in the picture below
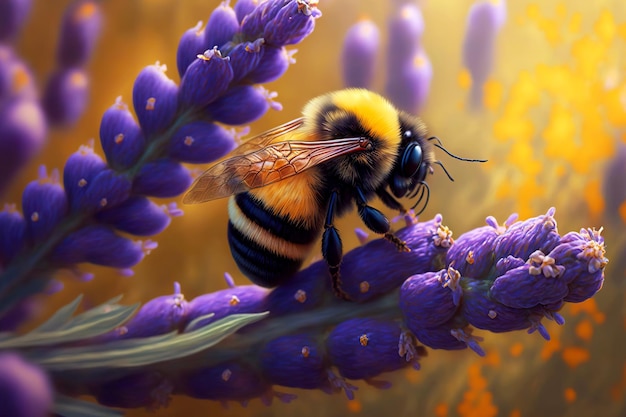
(60, 317)
(144, 351)
(106, 307)
(91, 327)
(72, 407)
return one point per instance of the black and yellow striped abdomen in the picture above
(267, 247)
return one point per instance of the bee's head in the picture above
(414, 163)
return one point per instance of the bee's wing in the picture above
(267, 137)
(267, 165)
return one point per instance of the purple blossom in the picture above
(360, 50)
(13, 13)
(25, 389)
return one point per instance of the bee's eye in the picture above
(411, 160)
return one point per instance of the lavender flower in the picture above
(25, 390)
(174, 123)
(359, 53)
(13, 13)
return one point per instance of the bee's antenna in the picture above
(444, 170)
(423, 186)
(440, 146)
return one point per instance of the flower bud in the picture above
(365, 348)
(244, 7)
(80, 30)
(13, 13)
(246, 57)
(206, 79)
(25, 389)
(274, 63)
(408, 83)
(227, 381)
(106, 189)
(154, 99)
(201, 142)
(163, 178)
(405, 32)
(190, 45)
(221, 27)
(138, 216)
(121, 137)
(16, 79)
(80, 169)
(292, 23)
(12, 233)
(66, 96)
(472, 253)
(240, 105)
(44, 204)
(149, 389)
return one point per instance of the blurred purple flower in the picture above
(13, 13)
(80, 31)
(25, 389)
(361, 46)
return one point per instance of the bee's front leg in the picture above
(332, 248)
(376, 221)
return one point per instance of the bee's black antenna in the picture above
(440, 146)
(444, 170)
(423, 186)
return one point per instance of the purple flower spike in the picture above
(360, 49)
(207, 78)
(238, 300)
(23, 128)
(80, 169)
(408, 83)
(148, 389)
(12, 233)
(16, 79)
(221, 27)
(158, 316)
(293, 22)
(79, 33)
(98, 245)
(138, 216)
(485, 313)
(228, 381)
(66, 96)
(276, 60)
(241, 105)
(190, 45)
(25, 389)
(365, 348)
(296, 361)
(428, 242)
(201, 142)
(13, 13)
(427, 300)
(405, 32)
(472, 253)
(483, 24)
(163, 178)
(521, 239)
(154, 99)
(44, 204)
(244, 7)
(121, 137)
(539, 282)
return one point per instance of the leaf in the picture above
(144, 351)
(72, 407)
(92, 326)
(106, 307)
(60, 317)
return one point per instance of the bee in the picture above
(288, 185)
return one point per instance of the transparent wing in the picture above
(267, 137)
(268, 165)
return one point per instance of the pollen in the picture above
(300, 296)
(470, 257)
(364, 340)
(306, 351)
(119, 138)
(82, 182)
(150, 103)
(85, 11)
(594, 251)
(443, 237)
(188, 140)
(103, 202)
(20, 80)
(226, 375)
(546, 265)
(364, 287)
(234, 300)
(35, 216)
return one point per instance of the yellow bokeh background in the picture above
(554, 115)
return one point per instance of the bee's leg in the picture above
(332, 249)
(377, 222)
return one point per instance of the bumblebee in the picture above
(288, 185)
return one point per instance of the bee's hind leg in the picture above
(332, 248)
(376, 220)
